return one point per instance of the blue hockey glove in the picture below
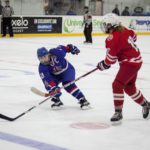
(73, 49)
(55, 91)
(102, 65)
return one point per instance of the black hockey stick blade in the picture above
(6, 117)
(9, 118)
(15, 118)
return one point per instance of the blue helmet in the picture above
(42, 52)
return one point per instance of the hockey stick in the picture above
(13, 119)
(44, 94)
(40, 93)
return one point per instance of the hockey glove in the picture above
(73, 49)
(55, 91)
(102, 65)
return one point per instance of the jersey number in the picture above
(131, 42)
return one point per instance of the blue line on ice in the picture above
(28, 142)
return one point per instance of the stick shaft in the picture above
(38, 92)
(50, 95)
(2, 116)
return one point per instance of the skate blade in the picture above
(87, 43)
(57, 108)
(147, 118)
(86, 108)
(116, 123)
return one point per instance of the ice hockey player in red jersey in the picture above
(121, 47)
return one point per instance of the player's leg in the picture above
(76, 93)
(57, 103)
(89, 33)
(10, 28)
(86, 36)
(49, 83)
(137, 96)
(4, 24)
(68, 76)
(118, 96)
(123, 76)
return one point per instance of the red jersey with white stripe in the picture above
(121, 46)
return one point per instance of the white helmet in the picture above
(109, 22)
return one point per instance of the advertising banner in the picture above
(74, 24)
(0, 23)
(142, 24)
(34, 25)
(139, 24)
(71, 24)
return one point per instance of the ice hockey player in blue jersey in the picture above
(55, 69)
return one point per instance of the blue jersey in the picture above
(58, 70)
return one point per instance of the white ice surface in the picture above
(18, 73)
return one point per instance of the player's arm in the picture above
(45, 76)
(48, 82)
(133, 35)
(61, 50)
(111, 57)
(111, 46)
(70, 48)
(107, 62)
(102, 65)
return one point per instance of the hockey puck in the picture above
(90, 125)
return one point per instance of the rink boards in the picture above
(32, 26)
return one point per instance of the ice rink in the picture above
(70, 128)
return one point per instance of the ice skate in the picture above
(84, 104)
(117, 117)
(57, 103)
(87, 42)
(145, 110)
